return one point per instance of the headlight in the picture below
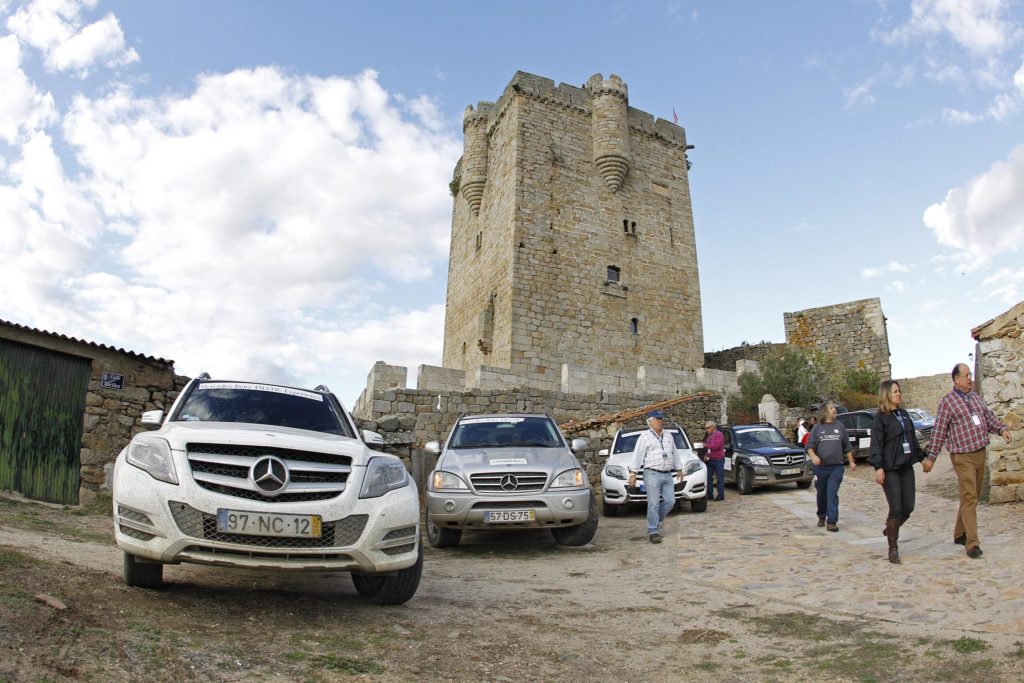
(692, 467)
(615, 471)
(446, 480)
(152, 455)
(758, 460)
(383, 475)
(567, 479)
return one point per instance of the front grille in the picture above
(509, 482)
(135, 533)
(399, 549)
(509, 504)
(226, 469)
(133, 515)
(196, 524)
(787, 460)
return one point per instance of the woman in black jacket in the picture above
(894, 451)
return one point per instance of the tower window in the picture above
(479, 240)
(629, 227)
(634, 326)
(614, 273)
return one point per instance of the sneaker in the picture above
(719, 499)
(832, 526)
(960, 540)
(974, 552)
(821, 521)
(655, 537)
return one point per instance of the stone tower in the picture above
(572, 243)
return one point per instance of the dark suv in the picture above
(759, 455)
(858, 428)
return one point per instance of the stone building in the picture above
(68, 407)
(999, 371)
(853, 332)
(573, 262)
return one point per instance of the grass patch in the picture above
(346, 665)
(967, 645)
(1019, 652)
(100, 506)
(12, 559)
(707, 666)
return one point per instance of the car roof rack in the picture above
(203, 375)
(323, 388)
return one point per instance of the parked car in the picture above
(618, 494)
(497, 472)
(858, 429)
(243, 474)
(924, 422)
(759, 455)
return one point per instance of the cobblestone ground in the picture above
(770, 548)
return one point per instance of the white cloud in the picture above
(897, 286)
(805, 226)
(979, 26)
(860, 94)
(22, 107)
(68, 43)
(1005, 284)
(985, 217)
(891, 267)
(957, 117)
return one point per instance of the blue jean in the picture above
(717, 467)
(660, 497)
(829, 479)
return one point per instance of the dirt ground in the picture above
(501, 607)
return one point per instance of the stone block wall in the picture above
(999, 372)
(726, 359)
(926, 392)
(854, 333)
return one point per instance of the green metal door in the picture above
(42, 400)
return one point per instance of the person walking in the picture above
(714, 442)
(962, 424)
(894, 452)
(656, 455)
(827, 444)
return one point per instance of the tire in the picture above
(439, 537)
(609, 510)
(804, 484)
(580, 534)
(699, 504)
(744, 484)
(142, 574)
(391, 590)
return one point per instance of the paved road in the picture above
(767, 545)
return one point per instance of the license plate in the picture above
(507, 516)
(268, 524)
(795, 470)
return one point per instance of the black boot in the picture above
(892, 532)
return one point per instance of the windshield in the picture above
(263, 404)
(505, 432)
(627, 442)
(759, 436)
(920, 415)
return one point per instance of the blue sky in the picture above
(260, 189)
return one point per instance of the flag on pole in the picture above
(675, 116)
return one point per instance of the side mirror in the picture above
(152, 417)
(603, 452)
(578, 445)
(432, 447)
(372, 438)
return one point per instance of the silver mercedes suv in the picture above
(502, 471)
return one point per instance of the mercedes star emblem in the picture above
(509, 483)
(270, 475)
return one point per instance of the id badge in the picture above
(906, 448)
(977, 422)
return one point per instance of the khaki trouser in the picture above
(970, 470)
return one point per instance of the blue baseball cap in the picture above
(656, 413)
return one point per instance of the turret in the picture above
(474, 160)
(610, 128)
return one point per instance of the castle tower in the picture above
(572, 238)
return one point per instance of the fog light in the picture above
(449, 505)
(568, 504)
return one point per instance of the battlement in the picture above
(613, 86)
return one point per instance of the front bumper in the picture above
(766, 475)
(617, 492)
(465, 510)
(171, 523)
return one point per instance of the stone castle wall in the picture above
(999, 372)
(575, 182)
(853, 333)
(925, 392)
(726, 359)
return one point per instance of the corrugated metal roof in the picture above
(65, 337)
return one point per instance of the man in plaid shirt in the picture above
(962, 424)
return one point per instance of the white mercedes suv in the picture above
(253, 475)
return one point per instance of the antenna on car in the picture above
(203, 375)
(323, 388)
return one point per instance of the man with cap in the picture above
(656, 455)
